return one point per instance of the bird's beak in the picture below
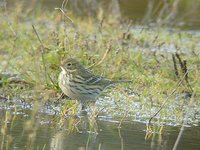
(63, 69)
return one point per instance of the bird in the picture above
(79, 83)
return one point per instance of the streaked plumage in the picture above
(81, 84)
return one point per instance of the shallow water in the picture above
(26, 129)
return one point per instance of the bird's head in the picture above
(70, 65)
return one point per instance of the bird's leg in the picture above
(83, 112)
(60, 97)
(82, 107)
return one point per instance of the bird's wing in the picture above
(94, 79)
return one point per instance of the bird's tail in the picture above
(120, 81)
(111, 82)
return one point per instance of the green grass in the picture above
(138, 53)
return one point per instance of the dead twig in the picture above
(175, 65)
(183, 65)
(46, 74)
(104, 56)
(180, 62)
(184, 122)
(64, 4)
(164, 103)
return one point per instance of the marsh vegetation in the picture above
(162, 60)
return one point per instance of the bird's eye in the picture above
(69, 64)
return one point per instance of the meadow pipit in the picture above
(81, 84)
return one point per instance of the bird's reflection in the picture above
(81, 131)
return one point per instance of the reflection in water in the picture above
(82, 137)
(91, 134)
